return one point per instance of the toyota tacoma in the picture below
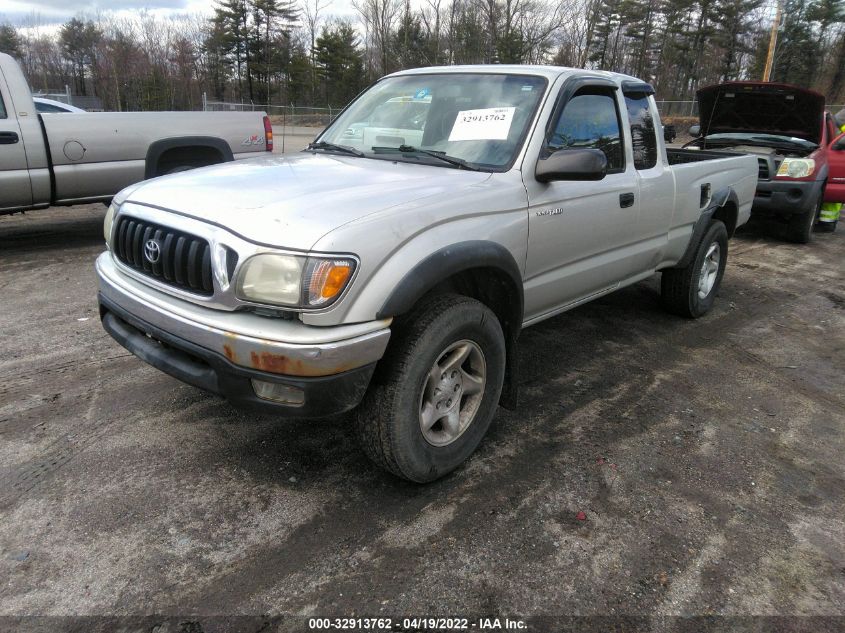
(390, 267)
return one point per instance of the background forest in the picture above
(286, 53)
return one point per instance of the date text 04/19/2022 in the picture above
(417, 623)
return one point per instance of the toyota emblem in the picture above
(152, 251)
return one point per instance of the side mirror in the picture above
(572, 164)
(695, 131)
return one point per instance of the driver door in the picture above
(580, 231)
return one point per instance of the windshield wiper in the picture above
(338, 148)
(409, 149)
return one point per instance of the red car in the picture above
(801, 153)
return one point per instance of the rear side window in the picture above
(47, 108)
(643, 133)
(590, 120)
(2, 108)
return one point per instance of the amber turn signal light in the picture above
(327, 281)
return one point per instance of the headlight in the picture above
(290, 280)
(796, 167)
(107, 223)
(272, 279)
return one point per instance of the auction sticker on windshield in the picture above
(486, 124)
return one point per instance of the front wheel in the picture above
(435, 392)
(800, 227)
(690, 291)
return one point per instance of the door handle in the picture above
(8, 138)
(626, 200)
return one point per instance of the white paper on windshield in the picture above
(486, 124)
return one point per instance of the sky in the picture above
(48, 13)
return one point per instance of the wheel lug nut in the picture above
(456, 388)
(448, 403)
(443, 377)
(454, 374)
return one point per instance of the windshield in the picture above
(761, 138)
(479, 119)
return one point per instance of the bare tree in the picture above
(379, 18)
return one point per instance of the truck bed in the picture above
(678, 156)
(100, 153)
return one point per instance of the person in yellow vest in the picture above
(830, 211)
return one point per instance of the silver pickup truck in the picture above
(65, 159)
(390, 266)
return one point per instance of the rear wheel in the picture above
(690, 291)
(435, 392)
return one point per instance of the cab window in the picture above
(590, 120)
(643, 132)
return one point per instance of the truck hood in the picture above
(292, 201)
(760, 108)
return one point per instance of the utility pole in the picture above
(773, 42)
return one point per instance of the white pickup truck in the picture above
(70, 158)
(391, 266)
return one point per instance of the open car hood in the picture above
(760, 108)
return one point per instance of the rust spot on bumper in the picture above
(277, 364)
(230, 353)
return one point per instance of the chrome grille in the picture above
(184, 260)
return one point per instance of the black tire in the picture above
(680, 286)
(388, 420)
(800, 227)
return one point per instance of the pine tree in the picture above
(10, 41)
(79, 39)
(797, 52)
(340, 62)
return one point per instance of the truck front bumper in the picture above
(272, 364)
(785, 197)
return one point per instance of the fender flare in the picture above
(158, 148)
(446, 262)
(717, 201)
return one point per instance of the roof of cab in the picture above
(549, 72)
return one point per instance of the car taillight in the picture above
(268, 134)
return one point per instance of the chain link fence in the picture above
(295, 116)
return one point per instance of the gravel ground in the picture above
(706, 458)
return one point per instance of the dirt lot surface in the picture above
(706, 458)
